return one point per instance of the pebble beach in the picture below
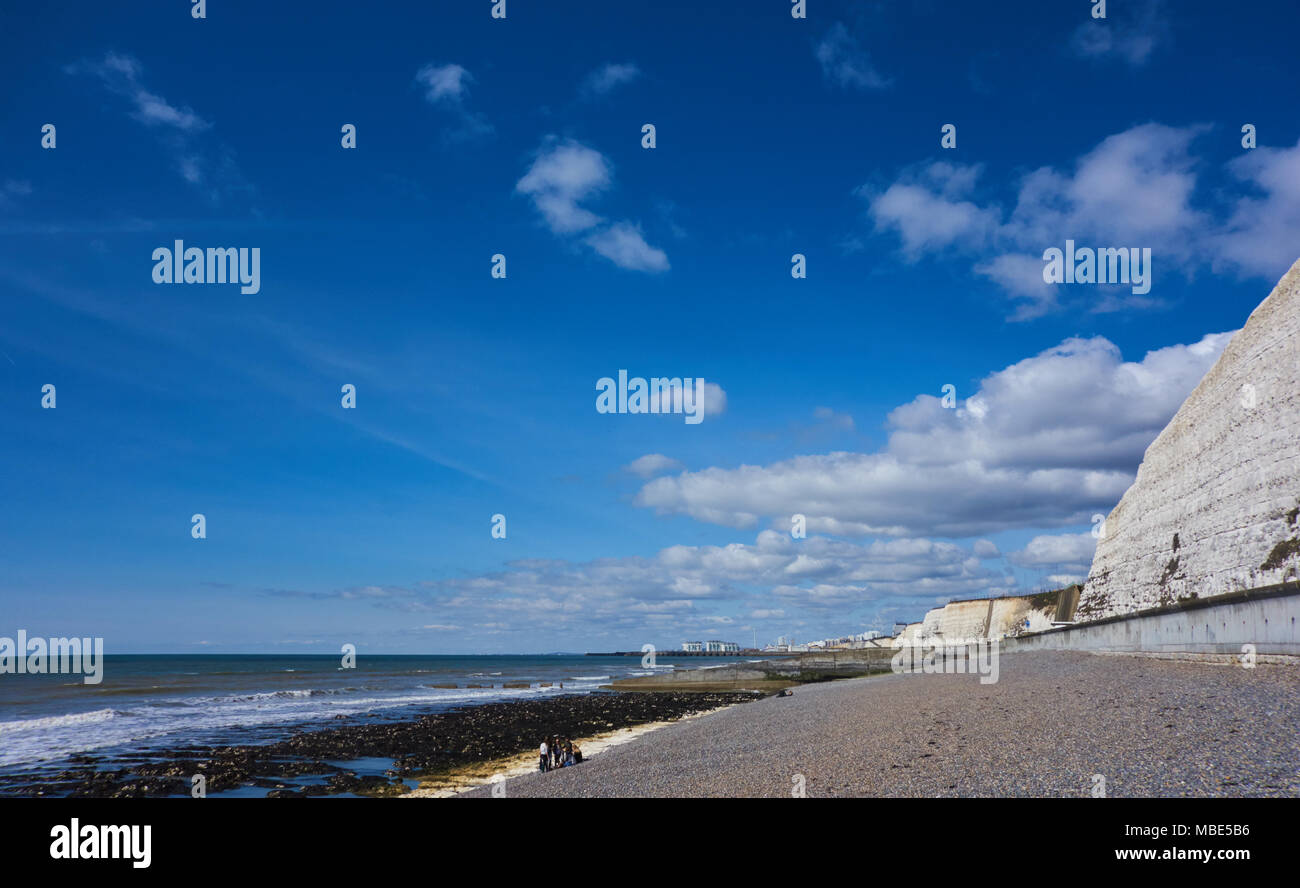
(1052, 722)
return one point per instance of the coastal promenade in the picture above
(1051, 723)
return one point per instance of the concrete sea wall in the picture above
(992, 617)
(1265, 618)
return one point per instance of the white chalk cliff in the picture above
(1216, 504)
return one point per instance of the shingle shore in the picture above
(1051, 722)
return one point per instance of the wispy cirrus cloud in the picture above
(13, 188)
(606, 78)
(122, 75)
(179, 126)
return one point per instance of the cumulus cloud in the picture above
(684, 591)
(564, 175)
(1133, 189)
(929, 209)
(1046, 442)
(606, 78)
(844, 63)
(1066, 554)
(1260, 237)
(653, 464)
(681, 589)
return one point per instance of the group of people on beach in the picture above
(557, 752)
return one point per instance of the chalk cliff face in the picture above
(1216, 504)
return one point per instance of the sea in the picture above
(150, 702)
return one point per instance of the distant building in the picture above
(692, 647)
(721, 647)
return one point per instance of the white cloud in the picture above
(1133, 189)
(121, 74)
(653, 464)
(1260, 237)
(713, 400)
(844, 63)
(1130, 32)
(564, 175)
(623, 244)
(1052, 439)
(1070, 553)
(444, 83)
(1021, 276)
(447, 87)
(928, 210)
(604, 79)
(178, 126)
(685, 591)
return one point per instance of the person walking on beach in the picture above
(546, 761)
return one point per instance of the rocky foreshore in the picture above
(418, 747)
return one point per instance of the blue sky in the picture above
(475, 395)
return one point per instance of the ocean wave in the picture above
(154, 717)
(58, 721)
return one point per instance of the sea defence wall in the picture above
(992, 617)
(1215, 507)
(1265, 618)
